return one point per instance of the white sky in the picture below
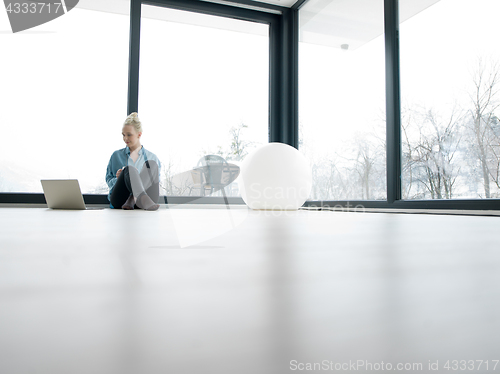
(196, 83)
(343, 92)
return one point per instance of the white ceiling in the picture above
(350, 24)
(286, 3)
(335, 23)
(122, 6)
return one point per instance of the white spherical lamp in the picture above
(275, 176)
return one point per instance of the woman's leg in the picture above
(150, 182)
(149, 177)
(140, 187)
(127, 188)
(120, 192)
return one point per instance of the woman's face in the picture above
(130, 136)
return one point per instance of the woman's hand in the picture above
(119, 172)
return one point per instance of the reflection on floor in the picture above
(236, 291)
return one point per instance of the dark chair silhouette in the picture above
(217, 174)
(213, 168)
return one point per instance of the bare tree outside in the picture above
(239, 146)
(168, 173)
(430, 150)
(368, 167)
(483, 126)
(446, 153)
(355, 171)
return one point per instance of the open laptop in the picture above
(64, 194)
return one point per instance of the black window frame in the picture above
(393, 138)
(283, 56)
(283, 96)
(283, 72)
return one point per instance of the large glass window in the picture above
(63, 99)
(342, 98)
(450, 81)
(203, 89)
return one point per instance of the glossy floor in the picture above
(194, 290)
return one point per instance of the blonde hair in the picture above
(133, 120)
